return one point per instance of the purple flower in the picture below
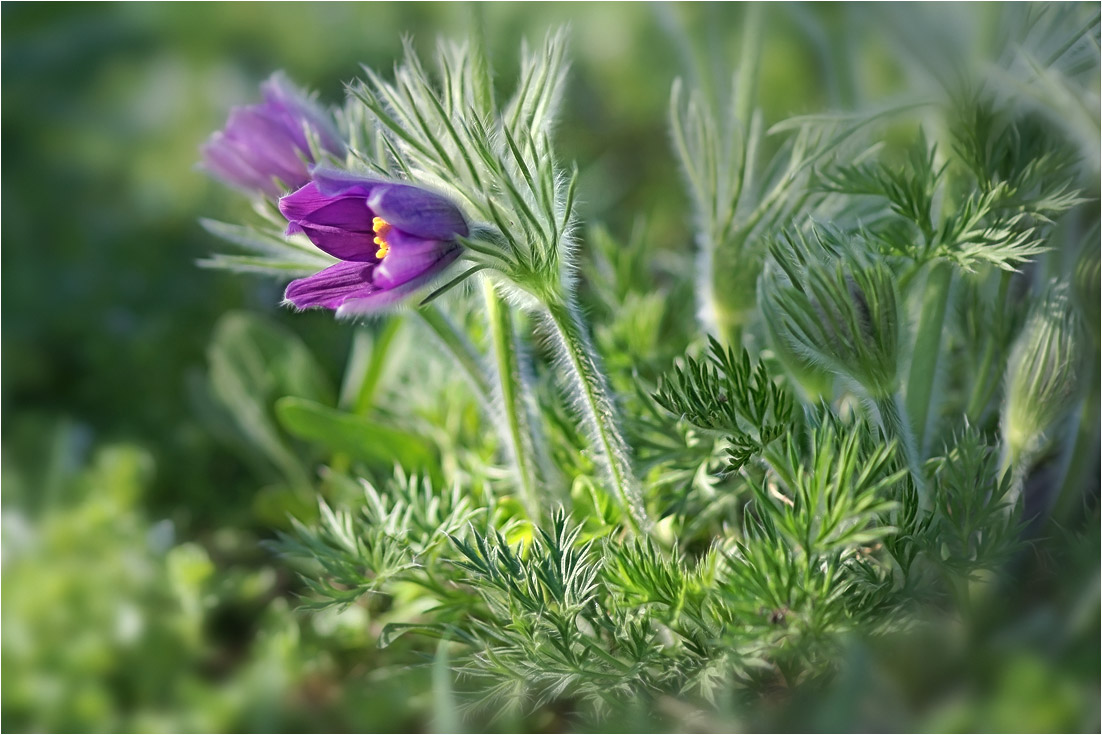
(391, 239)
(265, 145)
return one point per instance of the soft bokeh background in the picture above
(136, 592)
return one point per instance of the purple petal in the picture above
(417, 211)
(404, 244)
(369, 302)
(223, 160)
(342, 244)
(283, 101)
(332, 286)
(373, 302)
(333, 182)
(267, 139)
(279, 91)
(418, 270)
(362, 288)
(341, 226)
(412, 258)
(309, 206)
(296, 108)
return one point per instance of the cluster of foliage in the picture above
(886, 400)
(744, 472)
(112, 622)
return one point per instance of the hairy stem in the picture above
(894, 422)
(598, 410)
(719, 309)
(717, 317)
(521, 431)
(466, 357)
(927, 351)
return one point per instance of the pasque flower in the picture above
(265, 148)
(391, 239)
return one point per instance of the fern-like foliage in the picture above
(819, 469)
(394, 536)
(986, 203)
(548, 631)
(975, 521)
(725, 393)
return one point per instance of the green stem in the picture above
(460, 347)
(927, 350)
(719, 313)
(366, 363)
(726, 323)
(726, 296)
(598, 410)
(984, 384)
(367, 360)
(981, 387)
(1083, 456)
(961, 592)
(521, 429)
(894, 422)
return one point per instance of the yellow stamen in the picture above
(382, 229)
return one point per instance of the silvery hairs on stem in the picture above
(498, 164)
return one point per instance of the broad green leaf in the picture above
(252, 364)
(358, 436)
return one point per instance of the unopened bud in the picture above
(836, 312)
(1042, 378)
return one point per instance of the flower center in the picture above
(382, 229)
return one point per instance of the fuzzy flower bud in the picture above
(265, 148)
(834, 311)
(1042, 374)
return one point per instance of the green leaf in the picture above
(358, 436)
(265, 243)
(253, 363)
(393, 631)
(725, 392)
(271, 254)
(275, 267)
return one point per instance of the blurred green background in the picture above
(136, 592)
